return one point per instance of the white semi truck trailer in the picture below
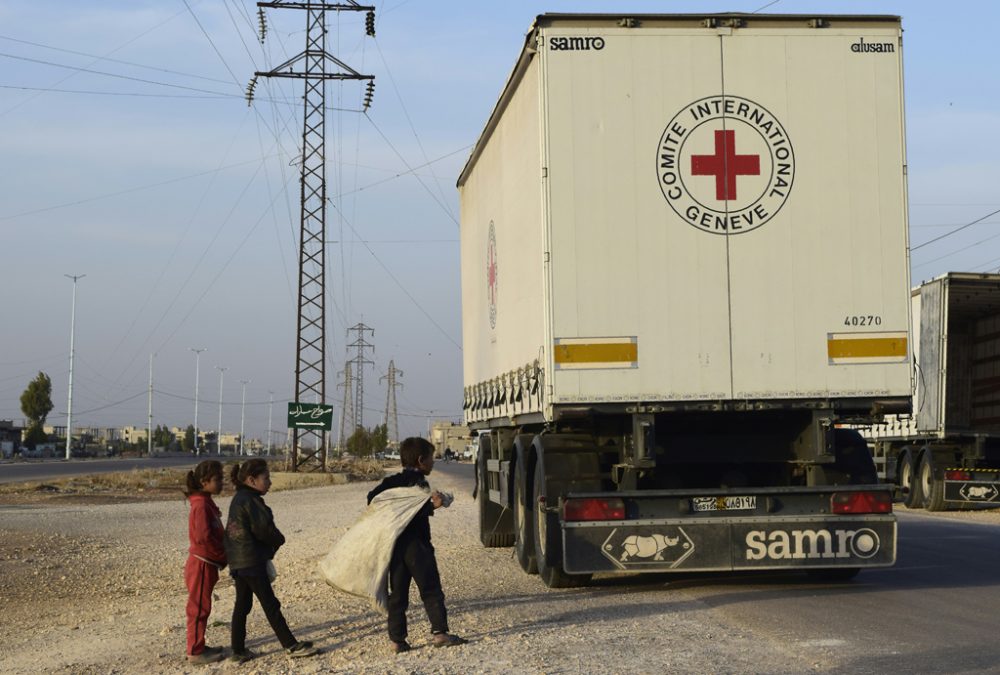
(684, 264)
(947, 452)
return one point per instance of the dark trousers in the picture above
(414, 559)
(246, 588)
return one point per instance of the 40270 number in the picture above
(863, 320)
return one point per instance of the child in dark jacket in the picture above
(251, 541)
(206, 557)
(413, 555)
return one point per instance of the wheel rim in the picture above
(542, 528)
(906, 475)
(925, 477)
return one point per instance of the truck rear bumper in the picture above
(724, 544)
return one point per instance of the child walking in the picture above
(413, 555)
(206, 557)
(251, 540)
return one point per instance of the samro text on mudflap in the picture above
(684, 269)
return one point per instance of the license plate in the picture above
(741, 503)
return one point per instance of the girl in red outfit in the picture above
(207, 557)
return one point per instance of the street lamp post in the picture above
(270, 407)
(72, 331)
(243, 407)
(197, 365)
(218, 434)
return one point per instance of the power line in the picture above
(209, 38)
(117, 93)
(399, 283)
(107, 74)
(105, 58)
(957, 229)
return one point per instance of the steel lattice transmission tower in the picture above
(311, 66)
(359, 371)
(347, 425)
(391, 418)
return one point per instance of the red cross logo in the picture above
(725, 164)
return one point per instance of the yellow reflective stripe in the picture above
(619, 352)
(866, 347)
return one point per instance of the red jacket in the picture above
(205, 529)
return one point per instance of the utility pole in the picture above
(72, 332)
(197, 366)
(149, 423)
(391, 418)
(243, 407)
(347, 411)
(311, 65)
(359, 371)
(218, 434)
(270, 406)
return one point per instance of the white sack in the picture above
(358, 563)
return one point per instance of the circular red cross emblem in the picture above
(725, 164)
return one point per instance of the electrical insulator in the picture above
(251, 85)
(370, 24)
(369, 93)
(262, 23)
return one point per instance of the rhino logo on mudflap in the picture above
(665, 549)
(634, 546)
(983, 493)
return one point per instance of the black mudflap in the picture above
(723, 544)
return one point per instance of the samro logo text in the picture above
(725, 164)
(811, 544)
(565, 44)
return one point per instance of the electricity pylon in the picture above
(359, 371)
(391, 420)
(311, 66)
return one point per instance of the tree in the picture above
(380, 438)
(162, 438)
(36, 404)
(188, 443)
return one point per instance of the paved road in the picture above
(935, 611)
(47, 469)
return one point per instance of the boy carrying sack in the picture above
(391, 544)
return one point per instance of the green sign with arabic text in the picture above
(310, 416)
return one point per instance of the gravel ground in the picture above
(99, 589)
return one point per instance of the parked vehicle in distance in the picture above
(947, 452)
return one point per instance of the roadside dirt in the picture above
(98, 588)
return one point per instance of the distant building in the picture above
(449, 436)
(133, 435)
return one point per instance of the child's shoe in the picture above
(300, 650)
(400, 647)
(447, 640)
(209, 655)
(242, 657)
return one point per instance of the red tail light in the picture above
(594, 509)
(956, 474)
(861, 502)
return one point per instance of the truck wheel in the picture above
(931, 488)
(524, 514)
(908, 480)
(496, 527)
(548, 547)
(838, 574)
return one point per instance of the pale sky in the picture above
(128, 154)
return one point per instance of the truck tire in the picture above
(931, 488)
(496, 526)
(908, 482)
(548, 544)
(524, 514)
